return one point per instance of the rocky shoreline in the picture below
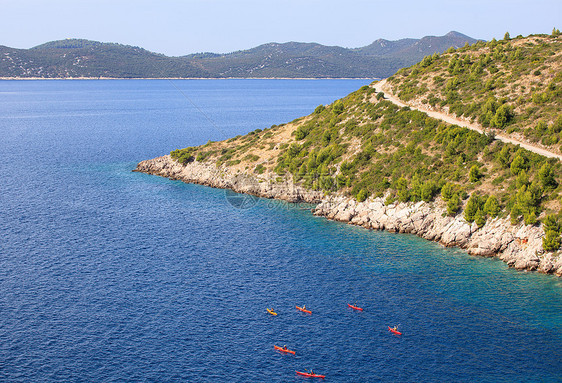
(209, 174)
(520, 246)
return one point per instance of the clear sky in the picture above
(178, 27)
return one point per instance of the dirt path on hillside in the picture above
(382, 86)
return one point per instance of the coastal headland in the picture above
(482, 171)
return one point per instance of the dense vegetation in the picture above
(512, 85)
(83, 58)
(364, 145)
(414, 158)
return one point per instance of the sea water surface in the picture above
(112, 276)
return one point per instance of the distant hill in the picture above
(85, 58)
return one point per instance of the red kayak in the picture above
(355, 307)
(394, 331)
(284, 350)
(310, 375)
(303, 310)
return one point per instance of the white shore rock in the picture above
(208, 174)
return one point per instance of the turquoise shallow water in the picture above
(109, 275)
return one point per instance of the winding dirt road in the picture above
(382, 86)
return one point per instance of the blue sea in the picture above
(112, 276)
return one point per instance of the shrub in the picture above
(518, 165)
(453, 205)
(480, 218)
(183, 156)
(530, 218)
(362, 195)
(472, 207)
(338, 107)
(492, 206)
(502, 117)
(474, 174)
(319, 109)
(202, 156)
(550, 223)
(402, 190)
(551, 241)
(390, 199)
(259, 169)
(428, 190)
(301, 132)
(447, 191)
(251, 158)
(546, 176)
(514, 214)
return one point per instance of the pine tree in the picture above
(362, 195)
(518, 165)
(530, 218)
(474, 174)
(546, 176)
(514, 214)
(472, 207)
(551, 241)
(550, 223)
(402, 190)
(453, 205)
(480, 218)
(522, 180)
(447, 191)
(502, 117)
(492, 206)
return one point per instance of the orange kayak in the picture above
(355, 307)
(394, 331)
(310, 375)
(303, 310)
(284, 350)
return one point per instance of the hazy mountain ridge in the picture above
(85, 58)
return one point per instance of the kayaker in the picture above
(304, 307)
(285, 347)
(395, 328)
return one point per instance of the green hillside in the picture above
(512, 86)
(363, 145)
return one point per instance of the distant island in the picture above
(74, 58)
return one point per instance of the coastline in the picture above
(519, 246)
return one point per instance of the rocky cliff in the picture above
(519, 246)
